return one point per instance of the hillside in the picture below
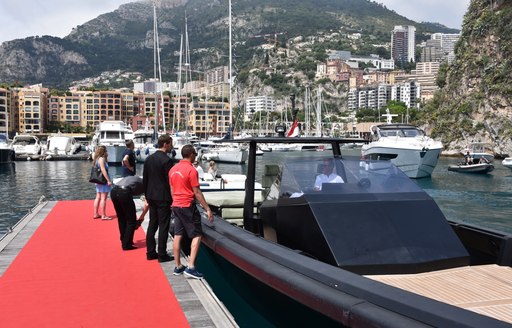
(122, 39)
(475, 104)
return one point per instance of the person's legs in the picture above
(164, 216)
(103, 204)
(176, 247)
(194, 248)
(131, 221)
(96, 205)
(150, 233)
(120, 212)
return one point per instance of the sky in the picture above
(24, 18)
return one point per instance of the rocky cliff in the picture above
(476, 102)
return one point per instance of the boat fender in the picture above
(137, 152)
(146, 152)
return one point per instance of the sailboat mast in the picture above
(160, 107)
(155, 51)
(319, 112)
(179, 86)
(230, 69)
(188, 74)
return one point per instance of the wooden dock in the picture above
(60, 268)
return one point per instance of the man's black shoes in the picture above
(162, 258)
(152, 256)
(165, 258)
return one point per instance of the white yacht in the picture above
(6, 151)
(144, 142)
(507, 162)
(26, 145)
(406, 146)
(111, 134)
(226, 153)
(181, 139)
(60, 144)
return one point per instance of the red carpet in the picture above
(73, 273)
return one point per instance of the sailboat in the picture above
(227, 152)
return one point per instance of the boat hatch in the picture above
(377, 222)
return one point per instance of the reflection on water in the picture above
(23, 184)
(481, 199)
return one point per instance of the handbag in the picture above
(97, 176)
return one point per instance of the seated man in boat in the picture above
(468, 159)
(327, 175)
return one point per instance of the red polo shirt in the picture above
(182, 177)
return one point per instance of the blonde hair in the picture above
(100, 152)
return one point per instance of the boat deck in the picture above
(61, 268)
(484, 289)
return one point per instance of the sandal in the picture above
(106, 218)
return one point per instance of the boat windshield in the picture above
(329, 175)
(407, 133)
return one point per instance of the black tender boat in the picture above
(363, 252)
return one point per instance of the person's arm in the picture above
(144, 210)
(318, 184)
(126, 162)
(103, 169)
(200, 198)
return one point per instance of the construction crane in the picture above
(271, 38)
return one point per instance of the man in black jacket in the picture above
(158, 196)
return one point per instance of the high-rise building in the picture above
(6, 111)
(403, 43)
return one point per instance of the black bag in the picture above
(97, 176)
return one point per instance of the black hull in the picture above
(6, 156)
(345, 297)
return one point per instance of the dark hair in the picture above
(164, 139)
(187, 151)
(129, 143)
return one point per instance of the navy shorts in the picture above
(187, 219)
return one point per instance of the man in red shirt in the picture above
(184, 181)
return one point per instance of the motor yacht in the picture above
(407, 146)
(507, 162)
(372, 251)
(26, 146)
(63, 145)
(6, 151)
(112, 135)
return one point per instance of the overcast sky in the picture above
(24, 18)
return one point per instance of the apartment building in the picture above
(31, 108)
(6, 111)
(259, 103)
(425, 75)
(217, 90)
(208, 118)
(64, 109)
(377, 97)
(407, 92)
(403, 43)
(217, 75)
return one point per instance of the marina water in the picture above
(483, 200)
